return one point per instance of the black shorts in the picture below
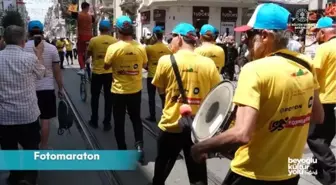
(68, 54)
(47, 103)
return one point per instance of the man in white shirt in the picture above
(19, 111)
(45, 89)
(293, 44)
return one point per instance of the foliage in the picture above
(70, 25)
(12, 18)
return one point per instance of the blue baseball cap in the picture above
(35, 24)
(208, 29)
(324, 22)
(268, 16)
(105, 24)
(185, 29)
(157, 29)
(216, 31)
(123, 22)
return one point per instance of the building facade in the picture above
(223, 14)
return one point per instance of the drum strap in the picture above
(294, 59)
(178, 79)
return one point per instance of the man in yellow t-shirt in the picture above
(320, 138)
(127, 58)
(209, 49)
(154, 53)
(101, 78)
(60, 44)
(199, 75)
(277, 97)
(68, 49)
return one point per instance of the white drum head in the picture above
(213, 111)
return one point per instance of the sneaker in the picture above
(151, 119)
(93, 125)
(139, 148)
(81, 72)
(107, 127)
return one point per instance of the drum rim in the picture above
(229, 109)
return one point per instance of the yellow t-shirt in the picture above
(68, 45)
(199, 75)
(98, 46)
(60, 45)
(127, 59)
(214, 52)
(282, 91)
(154, 53)
(325, 65)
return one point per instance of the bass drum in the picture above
(216, 114)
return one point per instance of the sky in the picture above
(37, 9)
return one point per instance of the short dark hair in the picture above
(35, 31)
(127, 32)
(159, 36)
(104, 29)
(85, 5)
(189, 41)
(14, 35)
(207, 38)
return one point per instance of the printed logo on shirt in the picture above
(128, 72)
(189, 70)
(288, 109)
(289, 123)
(130, 53)
(310, 102)
(196, 90)
(191, 101)
(300, 72)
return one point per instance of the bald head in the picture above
(325, 34)
(230, 39)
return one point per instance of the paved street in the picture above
(64, 142)
(217, 168)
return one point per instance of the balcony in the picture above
(243, 3)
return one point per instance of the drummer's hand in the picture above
(197, 155)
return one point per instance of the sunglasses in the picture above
(251, 33)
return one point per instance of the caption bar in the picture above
(68, 160)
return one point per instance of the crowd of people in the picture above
(284, 99)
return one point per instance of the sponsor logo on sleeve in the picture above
(289, 122)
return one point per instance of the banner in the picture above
(201, 12)
(68, 160)
(227, 28)
(229, 14)
(73, 8)
(159, 15)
